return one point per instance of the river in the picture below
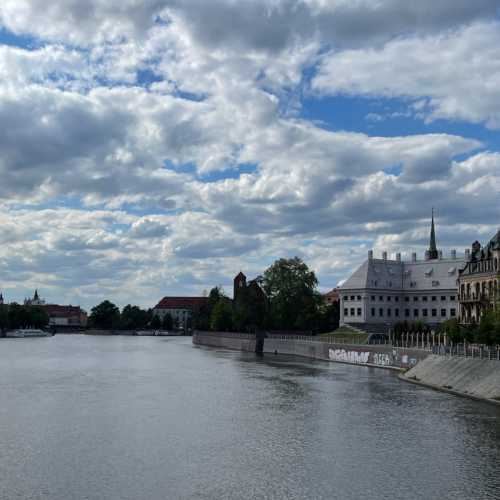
(130, 418)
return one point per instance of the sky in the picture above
(158, 147)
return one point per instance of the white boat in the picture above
(27, 332)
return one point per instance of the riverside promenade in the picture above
(459, 375)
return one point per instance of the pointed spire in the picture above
(433, 252)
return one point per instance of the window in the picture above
(346, 311)
(396, 299)
(381, 298)
(352, 311)
(452, 298)
(352, 297)
(443, 297)
(381, 312)
(346, 298)
(396, 313)
(434, 298)
(434, 313)
(424, 298)
(359, 311)
(415, 299)
(415, 313)
(453, 312)
(388, 298)
(407, 313)
(424, 313)
(388, 313)
(443, 313)
(407, 299)
(359, 297)
(373, 298)
(373, 312)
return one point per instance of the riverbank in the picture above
(379, 356)
(473, 378)
(477, 379)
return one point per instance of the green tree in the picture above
(105, 315)
(291, 289)
(38, 317)
(451, 328)
(168, 322)
(222, 316)
(488, 330)
(4, 318)
(155, 322)
(134, 318)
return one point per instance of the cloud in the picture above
(456, 73)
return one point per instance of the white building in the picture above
(382, 291)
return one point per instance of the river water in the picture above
(129, 418)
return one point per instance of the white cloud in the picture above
(458, 72)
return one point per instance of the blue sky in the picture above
(162, 148)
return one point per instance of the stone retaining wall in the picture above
(476, 378)
(381, 356)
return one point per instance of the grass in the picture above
(344, 335)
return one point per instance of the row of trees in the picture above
(284, 298)
(107, 316)
(487, 331)
(14, 316)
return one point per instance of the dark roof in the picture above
(495, 241)
(55, 310)
(181, 302)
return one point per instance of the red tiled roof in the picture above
(55, 310)
(181, 302)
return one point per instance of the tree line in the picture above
(15, 316)
(107, 316)
(284, 298)
(486, 331)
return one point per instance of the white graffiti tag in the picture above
(348, 356)
(381, 359)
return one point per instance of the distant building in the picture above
(65, 316)
(180, 308)
(382, 291)
(71, 317)
(479, 280)
(243, 288)
(35, 301)
(331, 297)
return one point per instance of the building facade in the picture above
(181, 309)
(382, 292)
(479, 281)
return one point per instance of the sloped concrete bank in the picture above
(368, 355)
(473, 378)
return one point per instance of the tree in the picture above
(134, 318)
(38, 317)
(222, 316)
(202, 317)
(451, 328)
(4, 318)
(291, 289)
(105, 315)
(488, 330)
(155, 322)
(168, 322)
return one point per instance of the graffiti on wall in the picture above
(382, 359)
(348, 356)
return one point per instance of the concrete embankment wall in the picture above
(380, 356)
(477, 378)
(238, 342)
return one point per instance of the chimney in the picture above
(384, 255)
(440, 254)
(398, 257)
(467, 254)
(370, 254)
(414, 257)
(453, 254)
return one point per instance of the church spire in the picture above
(433, 252)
